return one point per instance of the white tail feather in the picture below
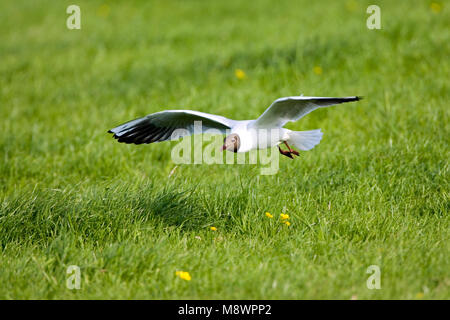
(305, 140)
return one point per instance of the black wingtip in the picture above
(359, 98)
(109, 131)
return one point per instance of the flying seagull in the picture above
(244, 135)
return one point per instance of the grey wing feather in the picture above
(160, 126)
(288, 109)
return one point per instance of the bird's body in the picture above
(254, 138)
(243, 135)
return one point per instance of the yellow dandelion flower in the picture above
(213, 228)
(183, 275)
(317, 70)
(352, 5)
(240, 74)
(287, 223)
(268, 215)
(435, 7)
(419, 295)
(284, 216)
(103, 11)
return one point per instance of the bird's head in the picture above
(232, 143)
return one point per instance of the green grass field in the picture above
(375, 191)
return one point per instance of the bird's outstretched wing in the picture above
(157, 127)
(287, 109)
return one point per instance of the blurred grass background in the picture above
(375, 191)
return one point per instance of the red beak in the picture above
(224, 147)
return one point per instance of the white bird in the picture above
(244, 135)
